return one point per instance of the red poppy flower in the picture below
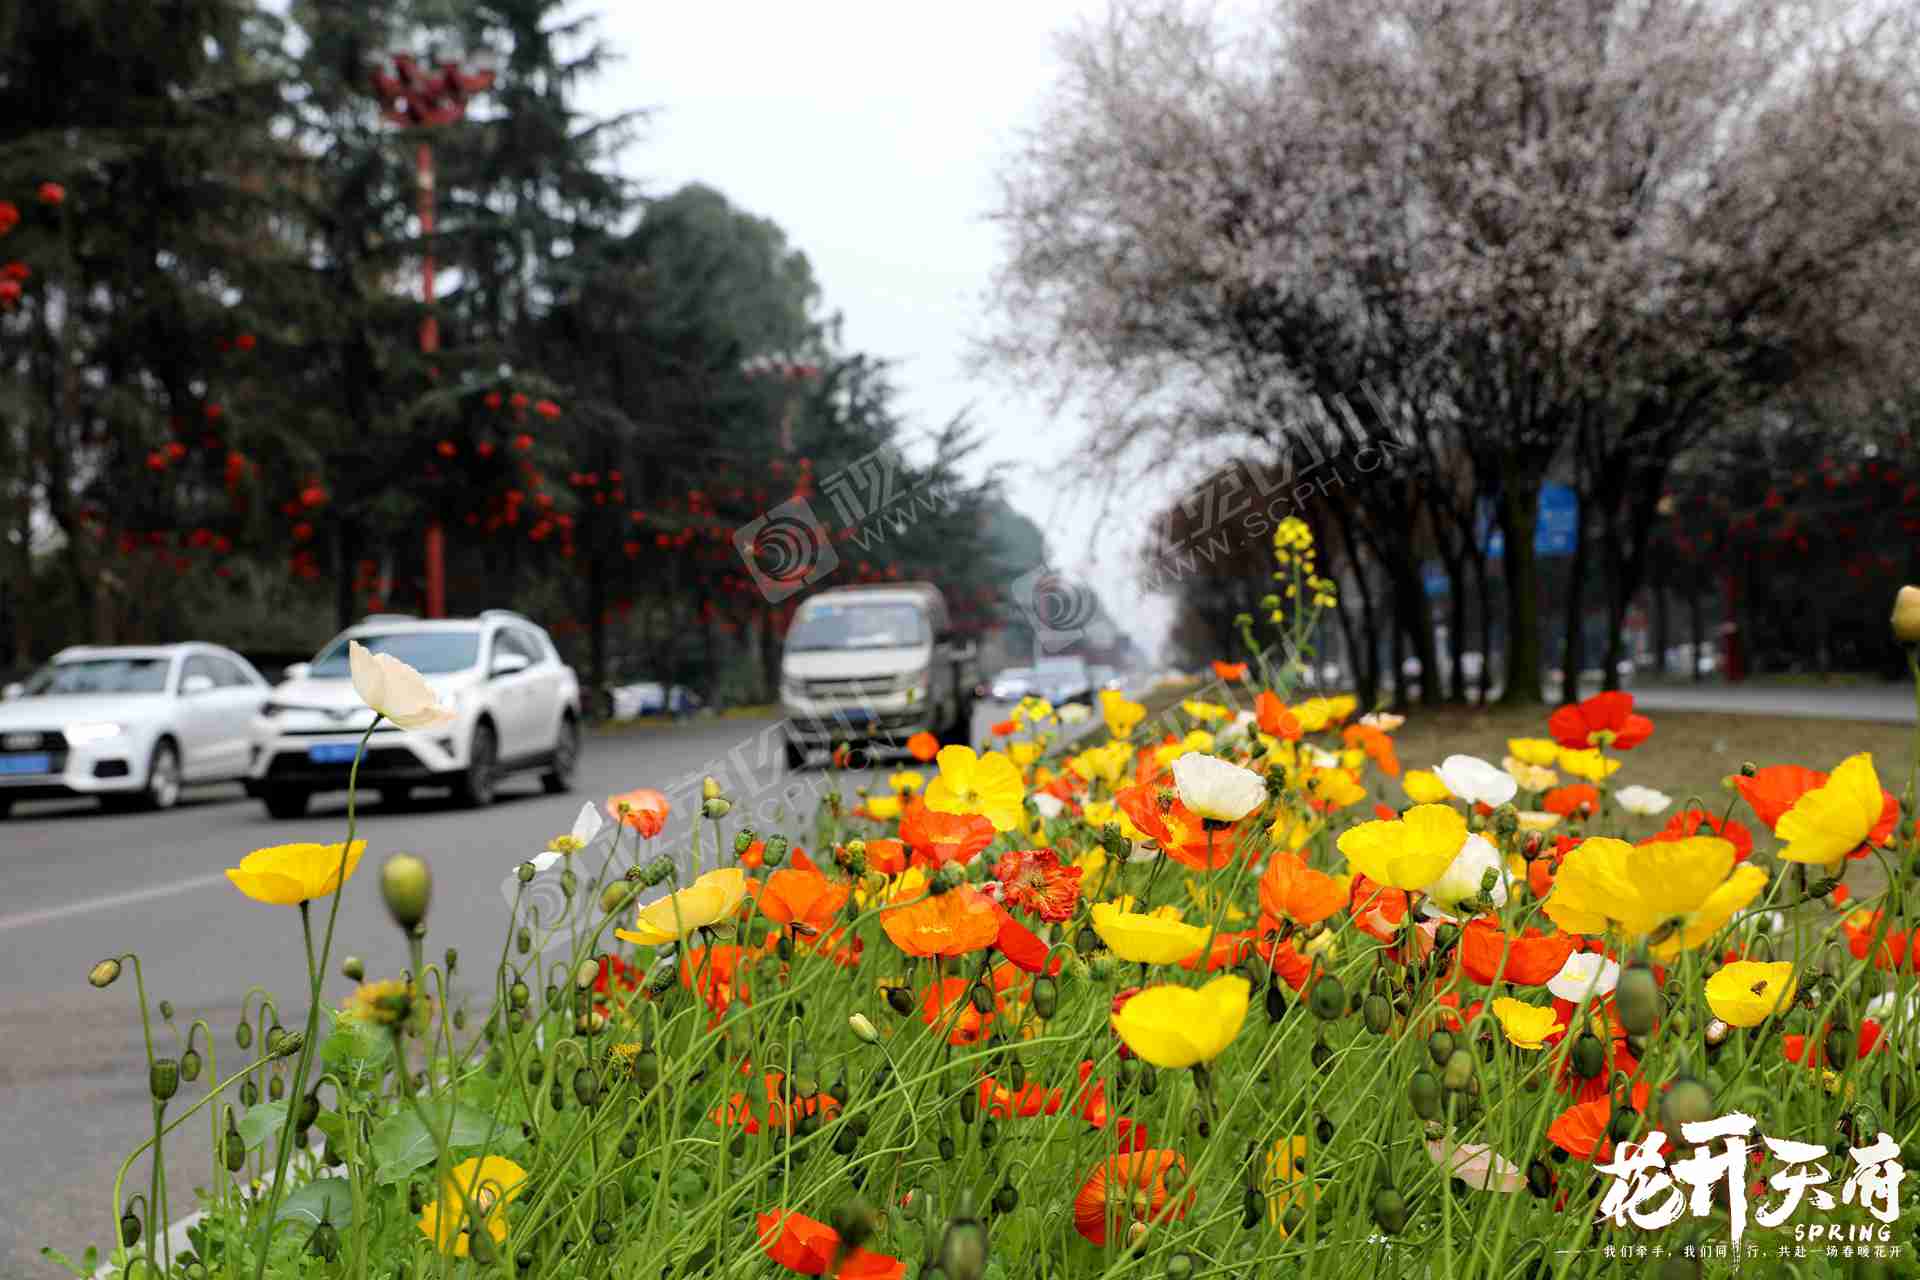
(645, 810)
(1530, 959)
(1778, 787)
(1578, 800)
(808, 1247)
(1581, 1130)
(1288, 962)
(246, 342)
(1229, 670)
(1377, 910)
(949, 1003)
(939, 838)
(1033, 880)
(1030, 1099)
(1005, 728)
(1688, 822)
(1023, 946)
(720, 972)
(1135, 1186)
(547, 409)
(1900, 948)
(1227, 950)
(17, 271)
(1795, 1046)
(519, 400)
(313, 496)
(9, 292)
(523, 442)
(1604, 719)
(1158, 814)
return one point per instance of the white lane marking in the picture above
(27, 918)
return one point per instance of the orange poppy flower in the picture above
(949, 1003)
(1228, 950)
(1288, 962)
(808, 1247)
(1605, 719)
(1377, 745)
(1531, 959)
(802, 897)
(1030, 1099)
(645, 810)
(954, 923)
(1158, 814)
(1576, 800)
(1023, 946)
(1581, 1130)
(1616, 1061)
(755, 857)
(1778, 787)
(945, 837)
(1377, 910)
(923, 746)
(1795, 1046)
(1005, 728)
(1229, 670)
(888, 857)
(1033, 880)
(1139, 1179)
(1273, 717)
(1291, 890)
(1688, 822)
(720, 971)
(1898, 949)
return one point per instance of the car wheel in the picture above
(960, 732)
(286, 802)
(163, 779)
(6, 808)
(796, 756)
(475, 788)
(566, 758)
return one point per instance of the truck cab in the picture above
(874, 666)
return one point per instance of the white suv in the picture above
(517, 705)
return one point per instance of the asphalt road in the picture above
(83, 885)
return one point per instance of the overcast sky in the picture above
(871, 132)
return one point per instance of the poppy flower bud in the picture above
(556, 1096)
(1748, 768)
(166, 1011)
(129, 1227)
(1045, 998)
(233, 1149)
(525, 872)
(1423, 1091)
(309, 1111)
(249, 1093)
(963, 1250)
(407, 886)
(452, 959)
(353, 969)
(1637, 999)
(586, 1086)
(1389, 1210)
(276, 1088)
(324, 1243)
(603, 1233)
(1906, 615)
(660, 981)
(863, 1027)
(716, 808)
(523, 940)
(1253, 1207)
(1440, 1046)
(1840, 1045)
(1589, 1056)
(743, 842)
(104, 973)
(290, 1044)
(585, 973)
(1328, 999)
(190, 1065)
(1687, 1102)
(657, 870)
(163, 1078)
(775, 851)
(1457, 1074)
(946, 1148)
(1100, 968)
(1006, 1199)
(1377, 1013)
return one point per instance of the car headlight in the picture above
(79, 735)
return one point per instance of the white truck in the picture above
(874, 665)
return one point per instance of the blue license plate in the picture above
(333, 752)
(26, 764)
(856, 715)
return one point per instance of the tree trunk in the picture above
(1660, 633)
(343, 544)
(597, 626)
(1519, 507)
(1573, 649)
(1699, 628)
(1481, 579)
(1457, 628)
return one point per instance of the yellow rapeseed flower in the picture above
(1145, 939)
(1526, 1026)
(712, 898)
(286, 875)
(1174, 1027)
(1409, 852)
(988, 785)
(1746, 992)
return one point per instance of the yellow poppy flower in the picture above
(1832, 820)
(1313, 715)
(1092, 863)
(1287, 1181)
(1122, 714)
(1746, 992)
(988, 785)
(1292, 832)
(909, 884)
(286, 875)
(885, 808)
(1175, 1027)
(1145, 939)
(1589, 764)
(905, 780)
(1205, 902)
(1531, 777)
(1527, 1026)
(1099, 813)
(1341, 706)
(1410, 852)
(1680, 890)
(1535, 751)
(1537, 820)
(1353, 759)
(1207, 711)
(1023, 753)
(712, 898)
(1423, 786)
(486, 1183)
(1106, 764)
(1031, 710)
(1334, 788)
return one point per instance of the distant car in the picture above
(1062, 680)
(516, 705)
(1011, 685)
(651, 698)
(129, 724)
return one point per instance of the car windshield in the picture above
(859, 626)
(100, 675)
(428, 652)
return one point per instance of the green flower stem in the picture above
(317, 974)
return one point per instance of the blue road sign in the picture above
(1556, 524)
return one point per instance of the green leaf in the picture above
(83, 1269)
(329, 1198)
(357, 1053)
(261, 1122)
(334, 1126)
(402, 1144)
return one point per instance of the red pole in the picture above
(436, 549)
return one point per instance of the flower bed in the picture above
(1237, 993)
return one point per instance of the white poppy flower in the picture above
(1460, 884)
(544, 859)
(1212, 788)
(1048, 806)
(1476, 781)
(395, 689)
(1321, 759)
(1584, 972)
(1384, 721)
(1074, 712)
(1644, 801)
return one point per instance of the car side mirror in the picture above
(506, 664)
(196, 684)
(295, 671)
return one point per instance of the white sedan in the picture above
(128, 724)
